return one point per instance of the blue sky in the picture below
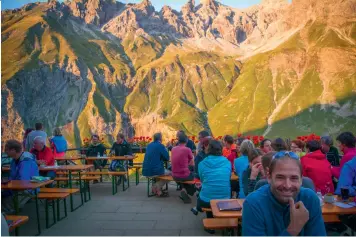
(176, 4)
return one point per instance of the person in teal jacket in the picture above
(215, 175)
(283, 207)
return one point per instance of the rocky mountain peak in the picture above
(188, 7)
(145, 6)
(96, 12)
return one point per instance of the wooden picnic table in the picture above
(21, 185)
(329, 210)
(111, 158)
(66, 167)
(17, 221)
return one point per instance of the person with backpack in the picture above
(58, 143)
(121, 148)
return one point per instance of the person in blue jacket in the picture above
(153, 163)
(283, 207)
(58, 143)
(241, 163)
(23, 167)
(348, 178)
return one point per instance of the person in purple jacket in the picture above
(23, 167)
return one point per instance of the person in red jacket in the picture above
(44, 154)
(229, 150)
(317, 168)
(347, 142)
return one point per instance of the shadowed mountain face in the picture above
(100, 66)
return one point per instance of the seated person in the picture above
(279, 145)
(254, 172)
(283, 207)
(182, 162)
(190, 144)
(120, 148)
(203, 153)
(58, 143)
(229, 150)
(348, 178)
(215, 175)
(97, 148)
(317, 168)
(347, 144)
(44, 156)
(266, 146)
(241, 163)
(23, 167)
(332, 154)
(153, 165)
(297, 146)
(266, 162)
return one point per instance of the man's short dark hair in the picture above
(94, 135)
(121, 135)
(240, 140)
(215, 148)
(182, 138)
(13, 145)
(347, 139)
(313, 145)
(279, 145)
(327, 140)
(263, 142)
(38, 126)
(157, 137)
(229, 139)
(204, 133)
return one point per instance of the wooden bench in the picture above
(17, 221)
(331, 218)
(59, 190)
(166, 178)
(115, 174)
(52, 197)
(225, 224)
(83, 191)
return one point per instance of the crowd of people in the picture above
(276, 179)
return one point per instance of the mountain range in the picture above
(101, 66)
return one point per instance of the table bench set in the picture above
(82, 174)
(229, 220)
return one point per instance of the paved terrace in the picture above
(127, 213)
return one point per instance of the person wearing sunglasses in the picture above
(283, 207)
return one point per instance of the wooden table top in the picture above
(17, 221)
(61, 167)
(110, 158)
(225, 214)
(327, 209)
(24, 185)
(66, 167)
(68, 158)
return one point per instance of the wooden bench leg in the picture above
(137, 176)
(88, 187)
(47, 214)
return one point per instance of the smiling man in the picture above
(283, 207)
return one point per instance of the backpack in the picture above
(117, 165)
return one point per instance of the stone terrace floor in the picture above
(126, 213)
